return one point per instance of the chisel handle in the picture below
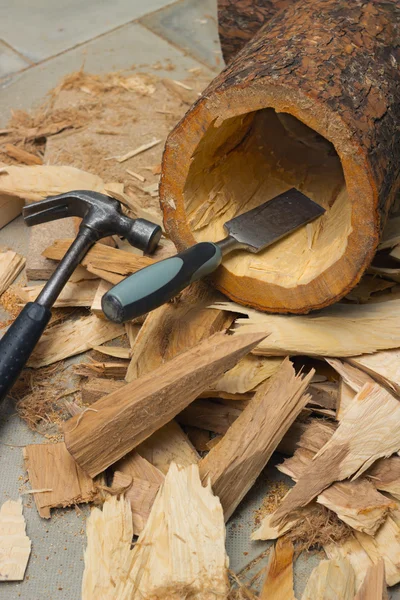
(155, 285)
(18, 342)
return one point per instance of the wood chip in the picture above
(10, 208)
(382, 366)
(168, 444)
(130, 415)
(136, 175)
(81, 293)
(102, 288)
(189, 534)
(278, 584)
(15, 546)
(143, 481)
(370, 429)
(11, 264)
(71, 338)
(237, 460)
(135, 152)
(335, 331)
(385, 545)
(356, 503)
(352, 550)
(102, 257)
(51, 467)
(374, 584)
(115, 351)
(22, 156)
(38, 182)
(184, 325)
(331, 579)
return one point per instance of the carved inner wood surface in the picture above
(245, 160)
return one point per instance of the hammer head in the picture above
(100, 213)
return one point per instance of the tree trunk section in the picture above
(311, 102)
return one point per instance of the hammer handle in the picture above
(18, 342)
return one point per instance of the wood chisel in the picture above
(252, 231)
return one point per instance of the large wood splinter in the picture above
(309, 102)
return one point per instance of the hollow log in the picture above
(238, 21)
(310, 102)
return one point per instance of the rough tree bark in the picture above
(310, 102)
(239, 21)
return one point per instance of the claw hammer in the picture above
(101, 216)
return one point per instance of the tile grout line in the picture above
(177, 47)
(17, 52)
(96, 37)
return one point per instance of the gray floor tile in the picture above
(130, 45)
(191, 25)
(44, 28)
(10, 61)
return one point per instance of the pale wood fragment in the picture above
(374, 585)
(130, 415)
(141, 494)
(278, 582)
(50, 466)
(102, 288)
(11, 264)
(71, 338)
(385, 475)
(168, 444)
(143, 481)
(15, 546)
(370, 429)
(346, 397)
(352, 376)
(338, 330)
(115, 351)
(247, 374)
(174, 328)
(209, 415)
(81, 293)
(38, 182)
(324, 394)
(330, 580)
(237, 460)
(385, 545)
(102, 257)
(103, 370)
(382, 366)
(357, 503)
(180, 552)
(97, 387)
(137, 151)
(10, 208)
(22, 156)
(352, 550)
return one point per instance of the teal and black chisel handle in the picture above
(153, 286)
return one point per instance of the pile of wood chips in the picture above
(170, 421)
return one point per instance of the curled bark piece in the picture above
(310, 102)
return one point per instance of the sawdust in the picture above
(316, 527)
(40, 399)
(11, 303)
(276, 492)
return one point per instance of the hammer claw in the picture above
(34, 215)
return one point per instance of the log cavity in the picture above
(245, 160)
